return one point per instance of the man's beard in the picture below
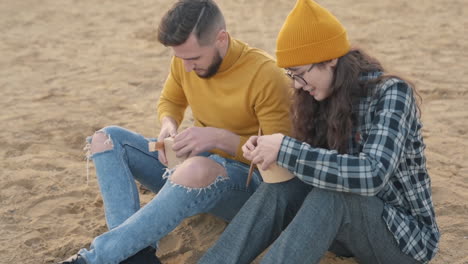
(213, 68)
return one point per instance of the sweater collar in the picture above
(234, 52)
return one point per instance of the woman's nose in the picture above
(297, 85)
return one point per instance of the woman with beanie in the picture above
(361, 188)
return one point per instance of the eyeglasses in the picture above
(298, 78)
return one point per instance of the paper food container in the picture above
(275, 174)
(172, 159)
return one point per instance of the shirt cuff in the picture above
(289, 152)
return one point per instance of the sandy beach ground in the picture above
(68, 68)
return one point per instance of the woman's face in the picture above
(314, 79)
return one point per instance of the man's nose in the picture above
(189, 65)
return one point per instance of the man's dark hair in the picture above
(202, 17)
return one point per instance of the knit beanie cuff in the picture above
(314, 53)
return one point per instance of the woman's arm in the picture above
(367, 173)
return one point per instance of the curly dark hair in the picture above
(329, 123)
(202, 17)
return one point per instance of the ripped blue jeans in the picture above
(132, 228)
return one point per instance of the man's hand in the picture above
(168, 129)
(263, 150)
(195, 140)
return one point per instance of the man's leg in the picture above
(121, 156)
(258, 223)
(196, 186)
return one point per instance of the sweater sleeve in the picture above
(270, 101)
(273, 100)
(367, 173)
(172, 101)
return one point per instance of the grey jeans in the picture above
(301, 223)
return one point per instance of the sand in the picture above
(68, 68)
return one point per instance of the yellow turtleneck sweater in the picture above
(248, 91)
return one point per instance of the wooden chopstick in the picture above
(155, 146)
(252, 165)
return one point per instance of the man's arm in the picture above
(171, 107)
(227, 141)
(195, 140)
(270, 98)
(172, 102)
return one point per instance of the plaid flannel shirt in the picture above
(385, 159)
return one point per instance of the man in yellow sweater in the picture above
(233, 90)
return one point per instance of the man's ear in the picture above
(222, 38)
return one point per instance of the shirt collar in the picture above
(366, 76)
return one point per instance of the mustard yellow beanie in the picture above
(310, 34)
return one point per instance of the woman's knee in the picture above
(321, 197)
(198, 172)
(289, 190)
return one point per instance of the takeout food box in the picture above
(275, 174)
(172, 159)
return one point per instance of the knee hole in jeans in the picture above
(101, 142)
(198, 172)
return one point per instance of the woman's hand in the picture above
(249, 146)
(263, 150)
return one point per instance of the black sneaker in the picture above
(75, 259)
(144, 256)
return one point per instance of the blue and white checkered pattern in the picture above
(385, 159)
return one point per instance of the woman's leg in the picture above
(258, 223)
(312, 231)
(367, 236)
(328, 219)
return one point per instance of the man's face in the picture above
(204, 60)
